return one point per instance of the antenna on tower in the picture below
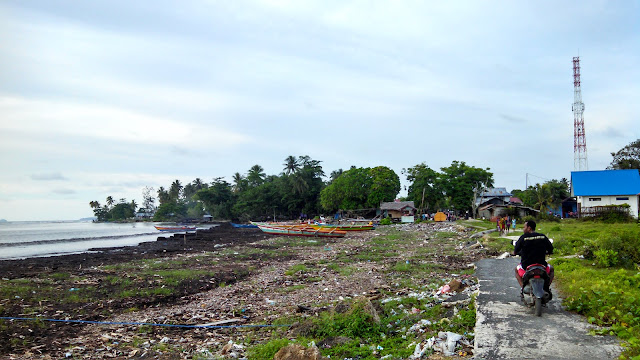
(579, 141)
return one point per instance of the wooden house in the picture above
(403, 211)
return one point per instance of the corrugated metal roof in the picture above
(494, 192)
(396, 205)
(605, 182)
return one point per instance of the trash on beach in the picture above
(445, 343)
(419, 326)
(444, 289)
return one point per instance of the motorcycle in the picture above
(535, 288)
(535, 291)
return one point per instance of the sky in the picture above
(102, 98)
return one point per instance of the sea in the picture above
(24, 239)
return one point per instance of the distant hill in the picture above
(3, 220)
(88, 218)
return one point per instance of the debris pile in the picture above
(446, 343)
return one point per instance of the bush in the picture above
(617, 248)
(385, 221)
(268, 350)
(547, 217)
(606, 258)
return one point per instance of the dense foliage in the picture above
(604, 285)
(361, 188)
(110, 212)
(300, 191)
(454, 188)
(627, 158)
(544, 197)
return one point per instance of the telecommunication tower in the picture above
(579, 141)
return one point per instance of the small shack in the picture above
(492, 210)
(403, 211)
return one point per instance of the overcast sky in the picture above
(102, 98)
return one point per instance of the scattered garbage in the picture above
(419, 326)
(445, 343)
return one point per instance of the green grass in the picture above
(605, 285)
(295, 269)
(268, 350)
(342, 269)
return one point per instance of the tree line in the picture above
(300, 190)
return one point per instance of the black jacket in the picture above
(532, 248)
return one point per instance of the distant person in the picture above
(513, 224)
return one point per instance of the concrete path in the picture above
(506, 329)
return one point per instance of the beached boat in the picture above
(301, 231)
(244, 226)
(343, 227)
(280, 224)
(175, 228)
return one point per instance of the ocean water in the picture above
(22, 239)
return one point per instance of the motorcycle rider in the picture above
(532, 248)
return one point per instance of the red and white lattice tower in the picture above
(579, 141)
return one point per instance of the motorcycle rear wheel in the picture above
(538, 306)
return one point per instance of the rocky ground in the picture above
(260, 280)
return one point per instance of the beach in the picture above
(230, 276)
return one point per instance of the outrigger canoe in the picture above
(175, 228)
(344, 227)
(301, 231)
(280, 224)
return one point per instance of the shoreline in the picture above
(164, 246)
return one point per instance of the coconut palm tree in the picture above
(335, 173)
(542, 197)
(176, 188)
(110, 201)
(256, 175)
(238, 182)
(291, 165)
(163, 195)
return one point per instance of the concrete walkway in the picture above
(506, 329)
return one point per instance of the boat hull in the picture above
(301, 231)
(175, 228)
(244, 226)
(343, 227)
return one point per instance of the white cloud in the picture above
(97, 121)
(48, 176)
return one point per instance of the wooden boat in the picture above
(175, 228)
(343, 227)
(301, 231)
(244, 226)
(279, 224)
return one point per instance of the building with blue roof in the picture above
(606, 187)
